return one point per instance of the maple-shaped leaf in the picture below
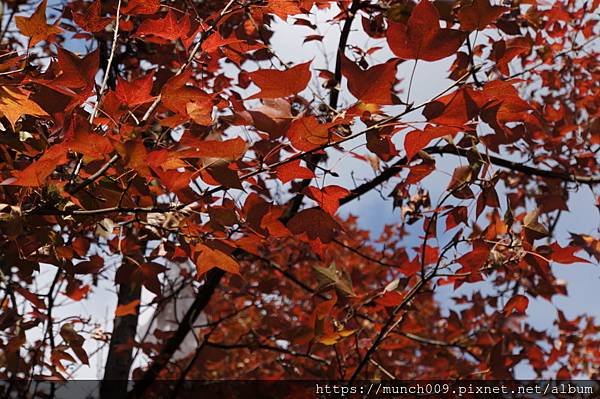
(35, 26)
(15, 102)
(479, 14)
(517, 303)
(72, 76)
(374, 85)
(91, 19)
(328, 198)
(73, 72)
(210, 258)
(275, 83)
(416, 140)
(566, 255)
(421, 38)
(166, 29)
(141, 7)
(136, 92)
(216, 41)
(37, 172)
(292, 170)
(79, 137)
(134, 154)
(187, 101)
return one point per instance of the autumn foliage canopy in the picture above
(187, 165)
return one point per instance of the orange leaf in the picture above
(36, 173)
(130, 308)
(210, 258)
(229, 149)
(275, 83)
(35, 26)
(135, 155)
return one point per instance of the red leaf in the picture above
(136, 92)
(216, 41)
(92, 266)
(374, 85)
(328, 198)
(565, 255)
(315, 223)
(76, 290)
(80, 138)
(91, 19)
(292, 170)
(454, 109)
(419, 172)
(474, 260)
(187, 101)
(275, 83)
(135, 155)
(75, 77)
(421, 37)
(479, 14)
(416, 140)
(517, 303)
(139, 7)
(307, 133)
(165, 29)
(31, 297)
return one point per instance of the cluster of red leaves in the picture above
(166, 145)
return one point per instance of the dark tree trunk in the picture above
(120, 351)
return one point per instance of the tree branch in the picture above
(213, 277)
(334, 95)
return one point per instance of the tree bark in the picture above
(120, 351)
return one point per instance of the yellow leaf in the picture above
(15, 102)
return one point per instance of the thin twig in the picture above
(109, 64)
